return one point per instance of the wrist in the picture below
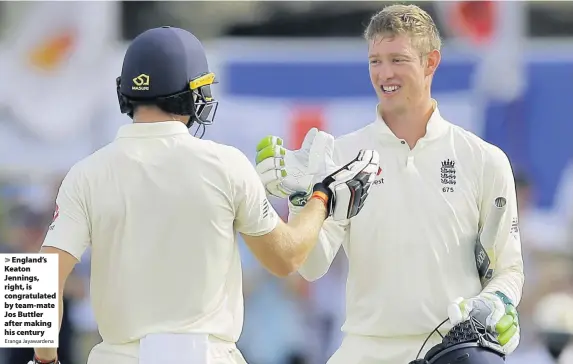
(45, 361)
(506, 300)
(322, 193)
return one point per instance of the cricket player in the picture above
(160, 210)
(442, 204)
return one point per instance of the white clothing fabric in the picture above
(160, 210)
(219, 352)
(411, 248)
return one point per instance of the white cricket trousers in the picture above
(220, 352)
(372, 350)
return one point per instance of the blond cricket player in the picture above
(160, 210)
(439, 236)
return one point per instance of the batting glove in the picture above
(285, 172)
(345, 191)
(495, 311)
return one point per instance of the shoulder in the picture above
(94, 160)
(82, 173)
(228, 155)
(351, 138)
(75, 180)
(347, 145)
(230, 162)
(486, 154)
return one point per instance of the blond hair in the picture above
(407, 20)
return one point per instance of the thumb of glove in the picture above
(300, 157)
(309, 139)
(320, 160)
(455, 313)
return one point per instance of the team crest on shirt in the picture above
(448, 175)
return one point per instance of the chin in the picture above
(392, 107)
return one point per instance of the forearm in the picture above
(508, 277)
(505, 242)
(509, 282)
(331, 237)
(49, 354)
(303, 231)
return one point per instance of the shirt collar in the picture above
(436, 126)
(146, 130)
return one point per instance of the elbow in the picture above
(308, 270)
(287, 264)
(281, 273)
(279, 266)
(285, 267)
(283, 270)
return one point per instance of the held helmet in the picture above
(466, 343)
(167, 67)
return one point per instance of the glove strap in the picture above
(299, 199)
(41, 361)
(503, 298)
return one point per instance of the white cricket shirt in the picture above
(411, 248)
(160, 210)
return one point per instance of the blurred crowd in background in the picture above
(283, 67)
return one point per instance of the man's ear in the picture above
(433, 61)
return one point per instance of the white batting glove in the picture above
(285, 172)
(495, 311)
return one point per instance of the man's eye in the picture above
(374, 61)
(397, 60)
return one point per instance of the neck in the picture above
(411, 124)
(155, 116)
(137, 120)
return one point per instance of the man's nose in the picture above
(385, 72)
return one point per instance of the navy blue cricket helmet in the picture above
(167, 67)
(466, 343)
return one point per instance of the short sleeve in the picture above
(254, 214)
(70, 228)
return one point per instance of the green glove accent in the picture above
(268, 152)
(267, 141)
(508, 325)
(504, 337)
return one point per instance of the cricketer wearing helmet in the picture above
(160, 210)
(442, 204)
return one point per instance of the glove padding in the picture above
(285, 172)
(347, 188)
(495, 311)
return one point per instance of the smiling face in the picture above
(404, 52)
(400, 74)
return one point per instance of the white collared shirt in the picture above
(411, 248)
(160, 210)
